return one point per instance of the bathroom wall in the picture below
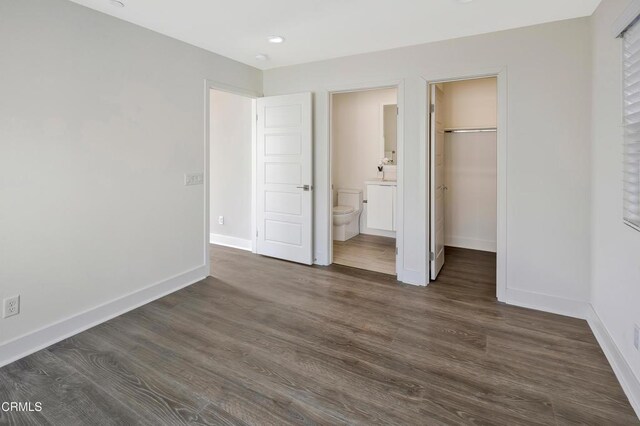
(357, 139)
(471, 164)
(230, 168)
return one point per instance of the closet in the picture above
(469, 110)
(463, 175)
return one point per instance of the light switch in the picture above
(193, 179)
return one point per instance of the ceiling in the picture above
(321, 29)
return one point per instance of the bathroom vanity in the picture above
(381, 204)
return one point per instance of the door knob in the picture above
(304, 187)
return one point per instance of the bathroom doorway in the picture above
(463, 174)
(364, 194)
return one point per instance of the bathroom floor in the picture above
(368, 252)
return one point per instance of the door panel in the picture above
(284, 179)
(437, 186)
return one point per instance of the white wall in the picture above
(99, 121)
(230, 167)
(548, 147)
(615, 248)
(471, 164)
(471, 199)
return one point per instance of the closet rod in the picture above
(471, 130)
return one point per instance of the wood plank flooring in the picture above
(271, 343)
(369, 252)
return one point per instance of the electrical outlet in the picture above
(11, 306)
(636, 337)
(220, 220)
(193, 179)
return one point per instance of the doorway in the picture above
(231, 174)
(464, 198)
(364, 170)
(258, 163)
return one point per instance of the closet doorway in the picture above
(463, 198)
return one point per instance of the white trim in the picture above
(502, 131)
(628, 380)
(48, 335)
(547, 303)
(254, 175)
(409, 276)
(470, 243)
(355, 87)
(626, 18)
(235, 242)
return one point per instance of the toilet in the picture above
(346, 224)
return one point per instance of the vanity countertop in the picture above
(378, 181)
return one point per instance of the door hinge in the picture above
(256, 117)
(256, 233)
(432, 109)
(396, 251)
(397, 110)
(432, 256)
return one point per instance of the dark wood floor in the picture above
(270, 342)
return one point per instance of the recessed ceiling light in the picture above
(275, 39)
(261, 57)
(464, 1)
(116, 3)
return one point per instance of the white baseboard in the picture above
(628, 380)
(547, 303)
(235, 242)
(47, 336)
(584, 310)
(471, 243)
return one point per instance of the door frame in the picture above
(223, 87)
(502, 97)
(398, 84)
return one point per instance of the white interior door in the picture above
(437, 186)
(284, 177)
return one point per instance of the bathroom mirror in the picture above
(390, 131)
